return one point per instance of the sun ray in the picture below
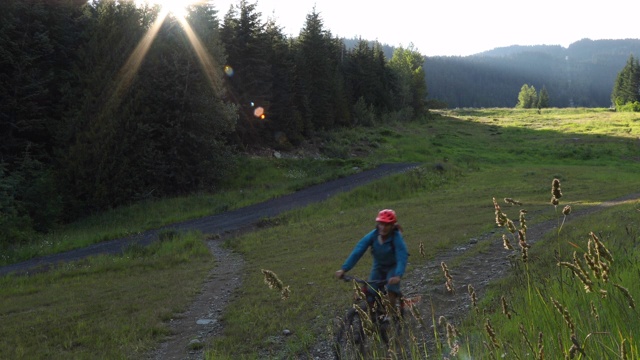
(178, 9)
(130, 68)
(206, 61)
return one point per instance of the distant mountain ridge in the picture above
(582, 74)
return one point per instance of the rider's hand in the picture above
(394, 280)
(339, 274)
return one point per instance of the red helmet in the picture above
(387, 216)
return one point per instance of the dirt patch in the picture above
(193, 330)
(478, 270)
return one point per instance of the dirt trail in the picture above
(220, 224)
(193, 329)
(477, 270)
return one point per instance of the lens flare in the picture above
(259, 112)
(228, 70)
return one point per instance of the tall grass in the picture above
(441, 205)
(576, 298)
(108, 307)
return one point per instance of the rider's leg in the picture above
(393, 293)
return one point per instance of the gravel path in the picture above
(227, 222)
(192, 329)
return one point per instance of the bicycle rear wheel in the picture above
(350, 338)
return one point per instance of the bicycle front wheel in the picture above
(350, 338)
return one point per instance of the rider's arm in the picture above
(402, 254)
(358, 251)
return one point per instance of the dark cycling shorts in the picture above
(385, 273)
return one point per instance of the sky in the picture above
(458, 27)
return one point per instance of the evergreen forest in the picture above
(105, 103)
(581, 75)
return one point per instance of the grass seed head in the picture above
(623, 350)
(473, 296)
(505, 243)
(271, 279)
(594, 311)
(565, 314)
(627, 295)
(505, 307)
(555, 189)
(523, 221)
(540, 346)
(492, 333)
(511, 226)
(566, 210)
(525, 336)
(602, 250)
(510, 201)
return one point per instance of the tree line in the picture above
(102, 105)
(582, 74)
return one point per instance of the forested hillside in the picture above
(104, 103)
(581, 75)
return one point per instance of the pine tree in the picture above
(627, 85)
(251, 84)
(543, 98)
(315, 71)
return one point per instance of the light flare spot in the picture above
(228, 70)
(259, 112)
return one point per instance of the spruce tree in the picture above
(627, 85)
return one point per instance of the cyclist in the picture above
(389, 254)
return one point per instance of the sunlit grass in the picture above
(600, 323)
(101, 308)
(440, 210)
(468, 158)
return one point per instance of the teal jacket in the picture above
(393, 252)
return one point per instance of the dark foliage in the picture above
(103, 103)
(581, 75)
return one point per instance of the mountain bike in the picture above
(370, 321)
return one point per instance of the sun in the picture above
(177, 8)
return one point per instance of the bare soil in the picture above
(477, 270)
(194, 329)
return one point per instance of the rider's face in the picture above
(384, 228)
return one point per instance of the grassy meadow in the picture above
(98, 309)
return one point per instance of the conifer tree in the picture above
(250, 86)
(627, 85)
(543, 98)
